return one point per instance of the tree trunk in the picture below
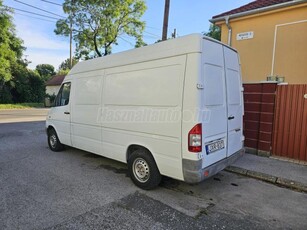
(96, 47)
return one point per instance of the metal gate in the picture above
(259, 103)
(290, 122)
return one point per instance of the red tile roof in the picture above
(55, 80)
(252, 6)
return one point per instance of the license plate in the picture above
(215, 146)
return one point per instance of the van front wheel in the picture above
(54, 142)
(143, 170)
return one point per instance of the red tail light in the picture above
(195, 139)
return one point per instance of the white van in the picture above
(174, 108)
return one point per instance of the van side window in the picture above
(63, 95)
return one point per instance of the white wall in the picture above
(52, 89)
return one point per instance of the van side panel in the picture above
(86, 103)
(191, 102)
(142, 105)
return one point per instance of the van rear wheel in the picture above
(143, 170)
(54, 142)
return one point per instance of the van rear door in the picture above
(234, 101)
(222, 98)
(214, 123)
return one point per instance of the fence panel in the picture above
(290, 122)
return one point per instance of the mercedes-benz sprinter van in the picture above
(173, 108)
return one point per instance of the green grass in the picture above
(22, 106)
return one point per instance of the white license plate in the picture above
(215, 146)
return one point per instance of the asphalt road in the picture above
(22, 115)
(73, 189)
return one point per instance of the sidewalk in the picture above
(282, 173)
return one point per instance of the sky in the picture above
(44, 47)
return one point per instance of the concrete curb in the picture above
(269, 178)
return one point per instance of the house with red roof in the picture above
(53, 85)
(271, 37)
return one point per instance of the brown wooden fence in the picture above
(290, 122)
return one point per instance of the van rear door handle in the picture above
(66, 112)
(231, 117)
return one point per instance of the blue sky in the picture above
(43, 46)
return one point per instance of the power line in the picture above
(38, 8)
(35, 17)
(153, 35)
(150, 37)
(30, 12)
(150, 27)
(126, 41)
(53, 3)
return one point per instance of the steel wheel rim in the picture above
(53, 141)
(141, 170)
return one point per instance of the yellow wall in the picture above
(257, 53)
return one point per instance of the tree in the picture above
(97, 24)
(28, 86)
(214, 32)
(65, 65)
(11, 50)
(45, 71)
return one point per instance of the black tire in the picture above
(143, 170)
(54, 142)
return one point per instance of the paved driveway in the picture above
(75, 189)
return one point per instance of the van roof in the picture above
(172, 47)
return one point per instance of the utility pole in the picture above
(70, 45)
(165, 20)
(70, 36)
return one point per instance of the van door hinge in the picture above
(199, 86)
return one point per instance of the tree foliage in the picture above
(17, 83)
(98, 24)
(10, 46)
(65, 65)
(28, 85)
(45, 71)
(214, 32)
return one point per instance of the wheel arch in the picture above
(150, 167)
(132, 147)
(50, 127)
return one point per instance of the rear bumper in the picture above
(194, 173)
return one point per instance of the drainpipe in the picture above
(229, 30)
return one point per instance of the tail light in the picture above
(195, 139)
